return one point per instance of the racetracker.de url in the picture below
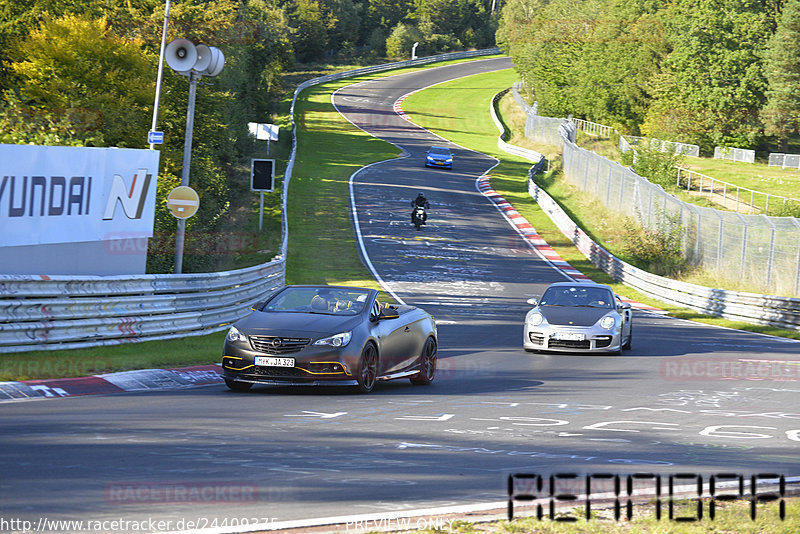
(44, 524)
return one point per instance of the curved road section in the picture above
(688, 398)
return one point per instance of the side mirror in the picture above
(388, 313)
(624, 306)
(532, 302)
(258, 305)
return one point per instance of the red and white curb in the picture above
(398, 107)
(141, 380)
(528, 232)
(523, 227)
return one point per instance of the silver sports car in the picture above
(329, 335)
(578, 317)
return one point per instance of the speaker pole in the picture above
(187, 159)
(160, 69)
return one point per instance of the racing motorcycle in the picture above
(418, 216)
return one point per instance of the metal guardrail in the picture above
(530, 155)
(39, 312)
(61, 312)
(781, 312)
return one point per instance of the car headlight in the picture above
(234, 336)
(535, 319)
(608, 322)
(339, 340)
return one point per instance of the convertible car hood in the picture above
(562, 315)
(309, 324)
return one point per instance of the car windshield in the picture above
(591, 297)
(323, 300)
(439, 151)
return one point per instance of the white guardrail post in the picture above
(39, 312)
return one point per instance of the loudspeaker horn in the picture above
(181, 55)
(203, 58)
(217, 62)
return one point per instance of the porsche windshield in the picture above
(591, 297)
(322, 300)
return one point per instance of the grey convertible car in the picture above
(578, 317)
(329, 335)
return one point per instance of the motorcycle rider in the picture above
(420, 201)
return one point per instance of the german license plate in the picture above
(569, 336)
(268, 361)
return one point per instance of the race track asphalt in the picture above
(216, 457)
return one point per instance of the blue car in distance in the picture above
(439, 156)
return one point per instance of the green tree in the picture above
(400, 41)
(388, 13)
(781, 113)
(98, 83)
(711, 86)
(311, 25)
(623, 51)
(547, 40)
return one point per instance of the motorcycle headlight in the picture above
(608, 322)
(535, 319)
(339, 340)
(234, 336)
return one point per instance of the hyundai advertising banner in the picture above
(55, 194)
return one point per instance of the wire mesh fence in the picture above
(665, 146)
(762, 251)
(784, 161)
(735, 154)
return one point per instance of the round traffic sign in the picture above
(183, 202)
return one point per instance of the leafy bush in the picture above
(657, 251)
(402, 38)
(658, 167)
(790, 208)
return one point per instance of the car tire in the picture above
(627, 344)
(367, 369)
(427, 369)
(233, 385)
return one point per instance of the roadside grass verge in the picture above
(757, 176)
(321, 248)
(466, 102)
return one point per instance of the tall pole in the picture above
(187, 159)
(160, 69)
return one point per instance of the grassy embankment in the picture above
(459, 111)
(321, 242)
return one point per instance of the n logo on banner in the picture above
(132, 199)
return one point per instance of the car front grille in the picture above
(279, 372)
(564, 344)
(278, 345)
